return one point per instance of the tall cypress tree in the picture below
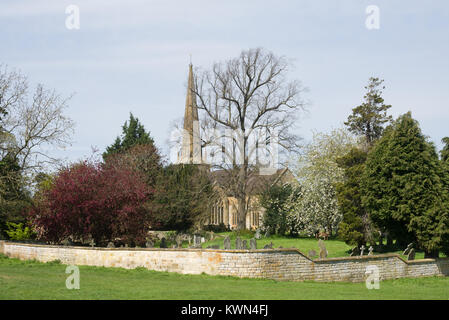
(403, 188)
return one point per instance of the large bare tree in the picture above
(249, 103)
(31, 121)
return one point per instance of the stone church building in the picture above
(191, 152)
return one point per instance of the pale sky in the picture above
(133, 56)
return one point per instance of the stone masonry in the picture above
(277, 264)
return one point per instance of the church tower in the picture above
(191, 142)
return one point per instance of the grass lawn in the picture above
(35, 280)
(335, 248)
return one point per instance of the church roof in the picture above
(257, 183)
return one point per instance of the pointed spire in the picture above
(191, 147)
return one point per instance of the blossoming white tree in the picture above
(316, 207)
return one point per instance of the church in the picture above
(192, 152)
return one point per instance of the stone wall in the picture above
(278, 264)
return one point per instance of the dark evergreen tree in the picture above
(403, 189)
(354, 229)
(369, 119)
(133, 133)
(14, 197)
(273, 200)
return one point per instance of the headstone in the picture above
(92, 243)
(355, 251)
(203, 239)
(179, 243)
(149, 244)
(253, 244)
(126, 245)
(227, 243)
(111, 245)
(238, 243)
(407, 250)
(163, 243)
(214, 246)
(411, 254)
(267, 234)
(312, 254)
(323, 250)
(65, 242)
(362, 249)
(268, 246)
(245, 244)
(370, 251)
(257, 235)
(196, 241)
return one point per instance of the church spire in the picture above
(191, 145)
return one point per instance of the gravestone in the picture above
(257, 235)
(163, 243)
(227, 243)
(355, 251)
(411, 254)
(323, 250)
(92, 243)
(238, 243)
(149, 244)
(203, 239)
(267, 234)
(111, 245)
(407, 250)
(312, 254)
(362, 249)
(268, 246)
(214, 246)
(370, 251)
(179, 243)
(196, 241)
(245, 244)
(253, 244)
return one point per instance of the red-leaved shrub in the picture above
(102, 201)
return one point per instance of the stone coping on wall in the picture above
(158, 249)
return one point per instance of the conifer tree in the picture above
(403, 189)
(367, 121)
(133, 133)
(353, 228)
(369, 118)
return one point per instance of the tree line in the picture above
(375, 180)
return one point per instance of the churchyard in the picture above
(334, 247)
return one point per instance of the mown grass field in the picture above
(36, 280)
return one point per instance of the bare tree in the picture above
(31, 122)
(248, 102)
